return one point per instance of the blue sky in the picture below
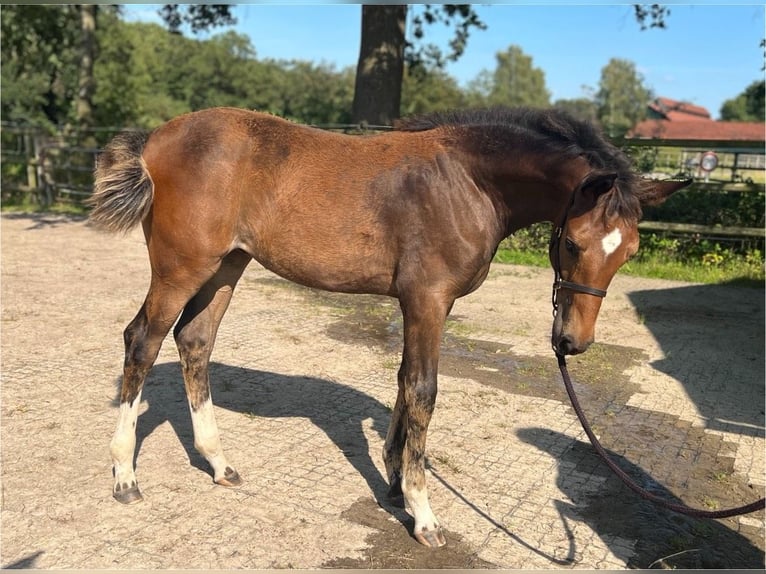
(707, 54)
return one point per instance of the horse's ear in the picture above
(655, 191)
(597, 183)
(593, 186)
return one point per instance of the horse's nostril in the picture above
(566, 346)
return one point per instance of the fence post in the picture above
(32, 163)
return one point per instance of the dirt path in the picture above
(303, 383)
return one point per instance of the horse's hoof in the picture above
(230, 478)
(127, 494)
(431, 538)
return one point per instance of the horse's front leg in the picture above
(394, 445)
(406, 442)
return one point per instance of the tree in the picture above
(379, 72)
(198, 17)
(748, 106)
(622, 97)
(430, 89)
(651, 16)
(142, 74)
(384, 51)
(514, 82)
(461, 16)
(316, 93)
(39, 55)
(86, 84)
(147, 75)
(581, 108)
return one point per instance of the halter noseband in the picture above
(558, 282)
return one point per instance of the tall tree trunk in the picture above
(87, 84)
(379, 73)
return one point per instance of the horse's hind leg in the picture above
(143, 339)
(195, 336)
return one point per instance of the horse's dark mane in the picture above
(547, 129)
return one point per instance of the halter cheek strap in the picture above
(558, 282)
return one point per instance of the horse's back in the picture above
(295, 198)
(339, 212)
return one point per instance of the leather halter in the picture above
(558, 282)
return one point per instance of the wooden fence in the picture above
(44, 169)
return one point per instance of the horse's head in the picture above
(596, 235)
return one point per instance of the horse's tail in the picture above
(123, 190)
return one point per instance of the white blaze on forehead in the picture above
(611, 241)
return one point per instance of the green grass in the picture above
(522, 257)
(739, 273)
(735, 270)
(33, 207)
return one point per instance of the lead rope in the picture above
(681, 508)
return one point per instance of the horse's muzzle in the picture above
(566, 345)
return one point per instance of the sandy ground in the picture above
(303, 385)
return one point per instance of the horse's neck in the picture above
(527, 192)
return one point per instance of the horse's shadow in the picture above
(690, 323)
(662, 538)
(336, 409)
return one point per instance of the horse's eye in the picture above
(571, 247)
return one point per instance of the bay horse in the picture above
(416, 214)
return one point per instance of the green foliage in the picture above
(644, 158)
(39, 62)
(534, 238)
(678, 258)
(224, 71)
(748, 106)
(684, 258)
(514, 82)
(651, 16)
(461, 16)
(622, 97)
(146, 75)
(581, 108)
(429, 89)
(710, 207)
(198, 17)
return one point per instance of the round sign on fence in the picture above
(709, 161)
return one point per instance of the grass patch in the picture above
(709, 265)
(27, 206)
(522, 257)
(737, 273)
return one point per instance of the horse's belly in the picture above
(328, 258)
(332, 276)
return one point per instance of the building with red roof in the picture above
(674, 120)
(673, 110)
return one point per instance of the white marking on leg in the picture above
(611, 241)
(417, 499)
(123, 445)
(207, 440)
